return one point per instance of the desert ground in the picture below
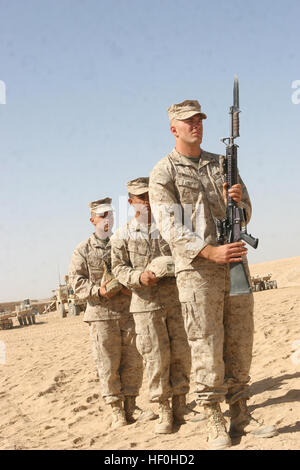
(50, 397)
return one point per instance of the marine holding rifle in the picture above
(188, 195)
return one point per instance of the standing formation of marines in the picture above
(167, 319)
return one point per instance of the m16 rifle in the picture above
(233, 227)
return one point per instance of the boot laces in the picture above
(218, 419)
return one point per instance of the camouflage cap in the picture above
(185, 110)
(138, 186)
(101, 206)
(162, 266)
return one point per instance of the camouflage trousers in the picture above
(220, 333)
(162, 341)
(119, 365)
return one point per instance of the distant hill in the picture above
(286, 271)
(11, 306)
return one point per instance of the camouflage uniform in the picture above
(186, 199)
(161, 337)
(112, 330)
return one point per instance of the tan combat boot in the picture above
(217, 434)
(182, 413)
(165, 422)
(241, 422)
(118, 415)
(134, 413)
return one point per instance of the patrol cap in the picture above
(162, 266)
(138, 186)
(185, 110)
(101, 206)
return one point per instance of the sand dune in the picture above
(50, 397)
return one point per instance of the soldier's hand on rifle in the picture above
(235, 192)
(229, 253)
(103, 293)
(148, 278)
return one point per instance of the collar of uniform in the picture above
(98, 243)
(143, 228)
(180, 159)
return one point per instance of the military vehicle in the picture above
(263, 282)
(6, 322)
(49, 307)
(67, 301)
(62, 300)
(25, 313)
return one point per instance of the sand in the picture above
(50, 397)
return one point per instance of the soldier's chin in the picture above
(102, 233)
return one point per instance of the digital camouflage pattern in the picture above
(119, 365)
(161, 338)
(138, 185)
(219, 327)
(186, 199)
(134, 246)
(113, 338)
(185, 110)
(162, 266)
(220, 333)
(162, 341)
(87, 272)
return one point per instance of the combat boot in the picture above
(241, 422)
(118, 415)
(165, 422)
(134, 413)
(217, 434)
(182, 413)
(179, 408)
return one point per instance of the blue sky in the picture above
(87, 88)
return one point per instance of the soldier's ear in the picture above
(130, 201)
(173, 130)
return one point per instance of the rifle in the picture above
(233, 227)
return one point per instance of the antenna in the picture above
(58, 275)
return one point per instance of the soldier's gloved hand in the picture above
(103, 293)
(230, 253)
(148, 278)
(235, 192)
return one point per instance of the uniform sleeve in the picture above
(121, 266)
(165, 205)
(79, 278)
(245, 203)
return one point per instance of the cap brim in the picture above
(189, 114)
(103, 209)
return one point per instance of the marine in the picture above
(161, 337)
(188, 194)
(111, 325)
